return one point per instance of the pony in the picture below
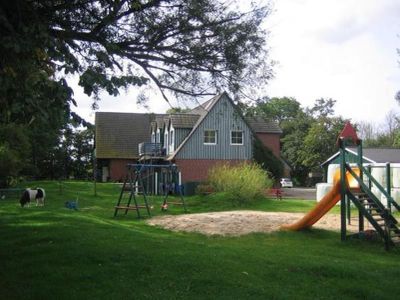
(31, 194)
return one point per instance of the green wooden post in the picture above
(348, 208)
(360, 164)
(342, 189)
(369, 178)
(388, 185)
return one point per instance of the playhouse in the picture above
(383, 163)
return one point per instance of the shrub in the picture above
(242, 183)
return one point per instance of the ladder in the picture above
(384, 223)
(133, 186)
(381, 218)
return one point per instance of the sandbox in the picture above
(236, 223)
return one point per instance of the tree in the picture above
(293, 143)
(392, 125)
(177, 110)
(322, 108)
(320, 141)
(193, 47)
(383, 135)
(82, 153)
(366, 131)
(267, 160)
(278, 109)
(13, 145)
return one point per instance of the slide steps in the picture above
(379, 217)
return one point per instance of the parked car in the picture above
(286, 182)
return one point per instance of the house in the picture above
(116, 141)
(212, 133)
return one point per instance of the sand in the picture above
(236, 223)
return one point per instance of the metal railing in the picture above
(151, 149)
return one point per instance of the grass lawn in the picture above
(53, 252)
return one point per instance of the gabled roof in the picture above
(118, 134)
(183, 120)
(381, 155)
(372, 155)
(261, 125)
(204, 107)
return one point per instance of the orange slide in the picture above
(325, 204)
(318, 211)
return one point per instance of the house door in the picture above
(105, 174)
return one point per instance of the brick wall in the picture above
(117, 168)
(271, 141)
(197, 169)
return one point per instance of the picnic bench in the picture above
(276, 192)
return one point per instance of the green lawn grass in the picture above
(53, 252)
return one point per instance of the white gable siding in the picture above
(223, 118)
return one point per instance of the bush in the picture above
(242, 183)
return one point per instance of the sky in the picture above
(340, 49)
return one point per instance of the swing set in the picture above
(138, 183)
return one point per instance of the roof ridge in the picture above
(385, 147)
(125, 113)
(182, 114)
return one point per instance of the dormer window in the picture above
(210, 137)
(158, 137)
(166, 139)
(171, 140)
(171, 136)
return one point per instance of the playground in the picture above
(351, 185)
(201, 249)
(88, 253)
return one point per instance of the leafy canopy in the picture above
(193, 47)
(190, 48)
(309, 134)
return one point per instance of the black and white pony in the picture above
(31, 194)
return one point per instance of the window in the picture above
(153, 137)
(210, 137)
(236, 137)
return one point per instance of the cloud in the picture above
(344, 50)
(126, 101)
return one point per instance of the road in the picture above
(299, 193)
